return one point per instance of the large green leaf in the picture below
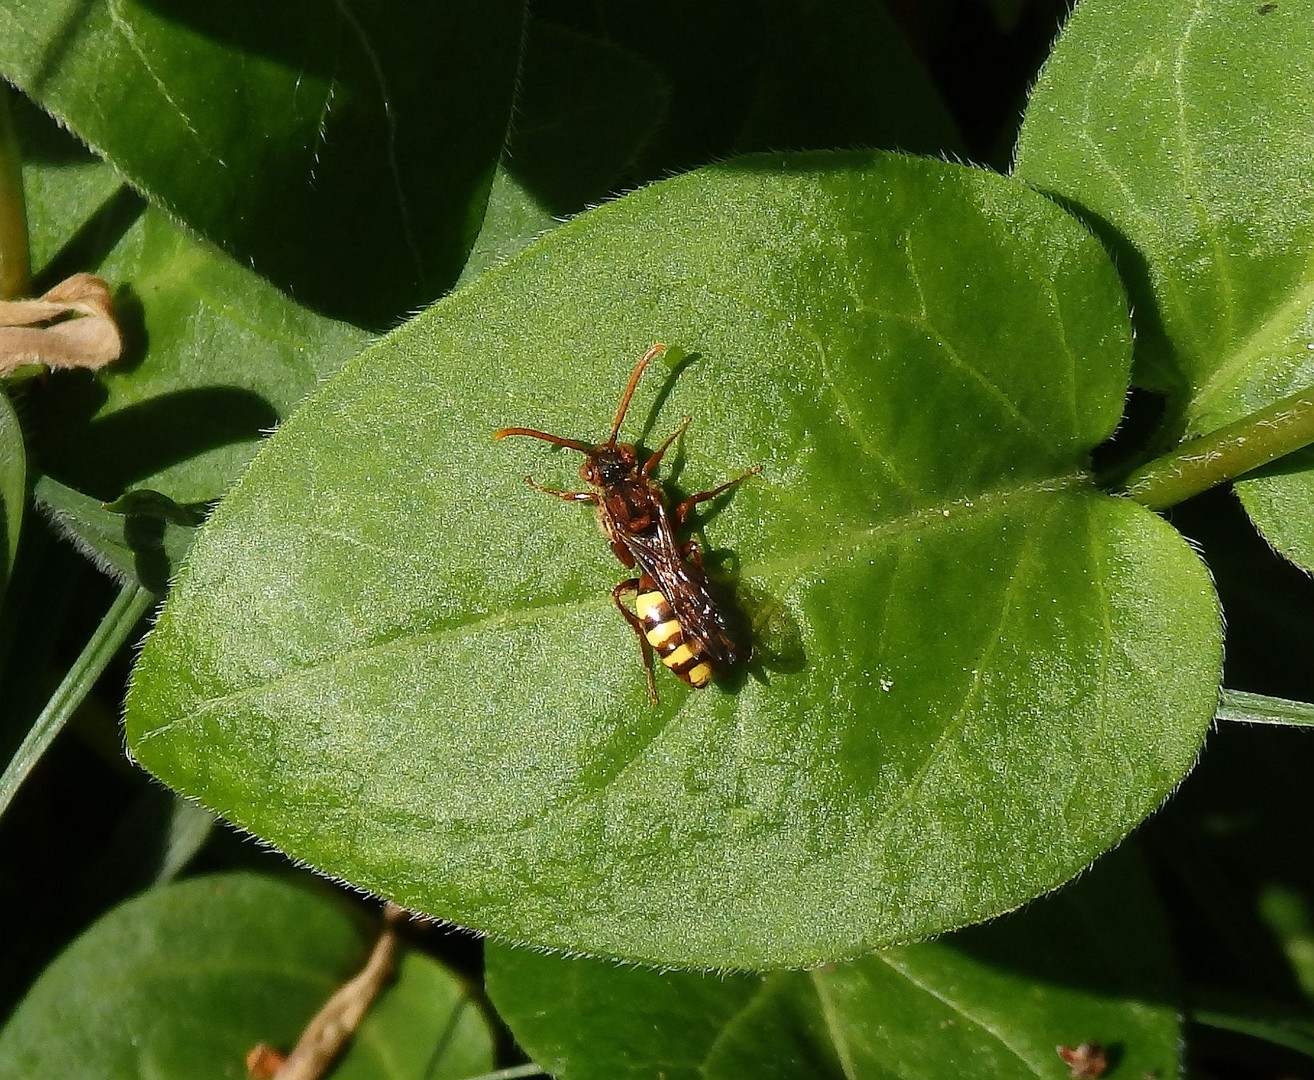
(1186, 130)
(185, 979)
(584, 108)
(1088, 965)
(215, 356)
(345, 151)
(834, 73)
(772, 75)
(975, 671)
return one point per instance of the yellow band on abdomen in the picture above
(679, 658)
(652, 606)
(661, 637)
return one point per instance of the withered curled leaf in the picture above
(71, 326)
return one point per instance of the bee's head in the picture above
(608, 464)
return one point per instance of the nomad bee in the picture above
(674, 611)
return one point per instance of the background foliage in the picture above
(977, 671)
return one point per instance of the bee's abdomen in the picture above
(682, 655)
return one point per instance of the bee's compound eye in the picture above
(588, 473)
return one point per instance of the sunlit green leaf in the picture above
(345, 151)
(184, 980)
(131, 546)
(974, 671)
(214, 358)
(1185, 130)
(1088, 965)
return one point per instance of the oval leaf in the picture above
(344, 152)
(975, 672)
(185, 979)
(1187, 128)
(584, 109)
(1089, 965)
(214, 354)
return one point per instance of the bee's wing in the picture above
(685, 587)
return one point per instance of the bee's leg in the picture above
(651, 464)
(681, 512)
(569, 496)
(691, 551)
(636, 624)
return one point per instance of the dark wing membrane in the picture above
(685, 587)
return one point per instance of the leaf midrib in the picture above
(1260, 344)
(960, 1010)
(833, 1019)
(834, 1030)
(776, 570)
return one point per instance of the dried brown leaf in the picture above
(1085, 1062)
(79, 330)
(337, 1021)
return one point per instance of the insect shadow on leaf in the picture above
(776, 635)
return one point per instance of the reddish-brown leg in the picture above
(651, 464)
(623, 553)
(681, 512)
(569, 496)
(636, 624)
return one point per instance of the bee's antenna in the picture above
(571, 443)
(655, 351)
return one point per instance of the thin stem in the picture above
(1241, 707)
(335, 1023)
(515, 1072)
(129, 606)
(1270, 1021)
(1225, 454)
(15, 261)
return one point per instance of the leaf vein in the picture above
(993, 389)
(960, 1010)
(125, 28)
(1259, 343)
(390, 118)
(769, 982)
(924, 519)
(961, 716)
(833, 1027)
(1190, 175)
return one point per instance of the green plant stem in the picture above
(1273, 1022)
(1241, 707)
(1225, 454)
(515, 1072)
(129, 606)
(15, 260)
